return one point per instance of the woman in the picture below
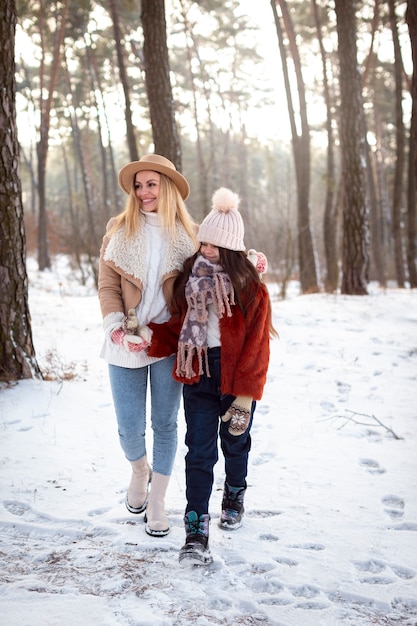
(143, 251)
(221, 330)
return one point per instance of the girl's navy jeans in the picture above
(204, 404)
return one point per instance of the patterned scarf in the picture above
(207, 284)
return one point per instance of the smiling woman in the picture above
(143, 251)
(146, 187)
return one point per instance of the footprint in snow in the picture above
(405, 526)
(283, 560)
(305, 591)
(263, 458)
(406, 573)
(96, 512)
(343, 390)
(327, 406)
(16, 508)
(268, 537)
(262, 514)
(21, 508)
(316, 547)
(372, 466)
(375, 568)
(312, 606)
(394, 506)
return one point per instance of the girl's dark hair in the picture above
(240, 270)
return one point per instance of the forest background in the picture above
(218, 79)
(305, 108)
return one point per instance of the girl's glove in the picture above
(239, 415)
(132, 343)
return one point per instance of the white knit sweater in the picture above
(152, 306)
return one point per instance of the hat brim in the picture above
(127, 173)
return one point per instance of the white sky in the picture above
(268, 121)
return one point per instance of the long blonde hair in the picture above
(171, 207)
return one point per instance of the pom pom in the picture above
(259, 260)
(262, 263)
(225, 200)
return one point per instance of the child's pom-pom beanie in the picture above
(223, 226)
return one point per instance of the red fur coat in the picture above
(244, 345)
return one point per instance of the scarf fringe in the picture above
(185, 357)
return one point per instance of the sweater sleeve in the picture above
(109, 284)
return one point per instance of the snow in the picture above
(329, 534)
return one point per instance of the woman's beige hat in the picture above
(153, 163)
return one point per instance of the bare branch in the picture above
(352, 418)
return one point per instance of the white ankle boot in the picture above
(157, 523)
(137, 493)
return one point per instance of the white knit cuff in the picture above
(113, 321)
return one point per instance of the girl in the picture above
(143, 251)
(221, 331)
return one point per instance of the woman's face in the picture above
(210, 252)
(147, 186)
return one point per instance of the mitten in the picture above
(259, 260)
(132, 343)
(238, 414)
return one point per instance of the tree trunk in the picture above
(400, 157)
(17, 354)
(201, 166)
(330, 209)
(158, 85)
(130, 131)
(412, 205)
(45, 121)
(96, 89)
(301, 149)
(411, 17)
(377, 256)
(91, 241)
(355, 219)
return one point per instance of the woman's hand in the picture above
(132, 343)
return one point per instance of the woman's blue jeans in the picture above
(203, 405)
(129, 390)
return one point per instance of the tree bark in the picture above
(400, 156)
(45, 121)
(355, 217)
(158, 84)
(301, 149)
(411, 18)
(17, 354)
(130, 131)
(201, 165)
(330, 209)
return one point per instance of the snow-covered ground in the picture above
(330, 532)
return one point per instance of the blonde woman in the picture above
(143, 251)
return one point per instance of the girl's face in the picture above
(210, 252)
(147, 185)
